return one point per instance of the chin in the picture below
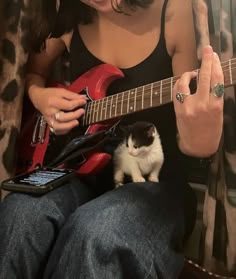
(102, 6)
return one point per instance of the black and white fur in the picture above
(139, 155)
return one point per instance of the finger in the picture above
(217, 77)
(62, 128)
(69, 116)
(204, 82)
(69, 95)
(182, 87)
(68, 105)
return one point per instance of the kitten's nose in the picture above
(131, 153)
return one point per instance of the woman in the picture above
(136, 231)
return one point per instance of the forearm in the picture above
(39, 68)
(34, 83)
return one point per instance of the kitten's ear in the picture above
(150, 130)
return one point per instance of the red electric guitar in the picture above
(101, 113)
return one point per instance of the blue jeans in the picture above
(136, 231)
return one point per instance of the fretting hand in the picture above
(200, 115)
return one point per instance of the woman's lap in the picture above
(133, 232)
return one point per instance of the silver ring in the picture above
(218, 90)
(51, 122)
(57, 115)
(181, 96)
(51, 130)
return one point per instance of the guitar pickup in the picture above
(39, 130)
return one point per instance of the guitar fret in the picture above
(111, 104)
(98, 107)
(230, 72)
(118, 111)
(135, 99)
(142, 97)
(161, 92)
(94, 111)
(90, 112)
(171, 88)
(151, 95)
(128, 101)
(116, 104)
(122, 100)
(132, 98)
(106, 109)
(156, 90)
(102, 108)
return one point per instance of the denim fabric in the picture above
(29, 226)
(136, 231)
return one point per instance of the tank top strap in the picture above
(163, 14)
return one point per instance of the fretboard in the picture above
(143, 97)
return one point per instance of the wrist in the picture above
(192, 151)
(33, 92)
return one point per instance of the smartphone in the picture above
(38, 181)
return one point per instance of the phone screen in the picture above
(40, 177)
(39, 180)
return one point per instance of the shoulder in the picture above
(179, 24)
(180, 8)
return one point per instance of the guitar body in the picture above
(32, 148)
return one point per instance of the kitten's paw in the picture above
(153, 178)
(138, 179)
(119, 184)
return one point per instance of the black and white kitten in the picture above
(139, 155)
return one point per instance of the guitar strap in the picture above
(73, 154)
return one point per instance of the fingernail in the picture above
(216, 55)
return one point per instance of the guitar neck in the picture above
(144, 97)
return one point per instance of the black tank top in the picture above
(157, 66)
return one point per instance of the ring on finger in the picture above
(57, 115)
(181, 96)
(51, 122)
(52, 130)
(218, 90)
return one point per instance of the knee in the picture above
(119, 213)
(22, 212)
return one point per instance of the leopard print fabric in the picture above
(13, 57)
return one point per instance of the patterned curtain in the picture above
(13, 56)
(216, 24)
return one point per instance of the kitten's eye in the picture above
(135, 146)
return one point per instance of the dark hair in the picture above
(45, 20)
